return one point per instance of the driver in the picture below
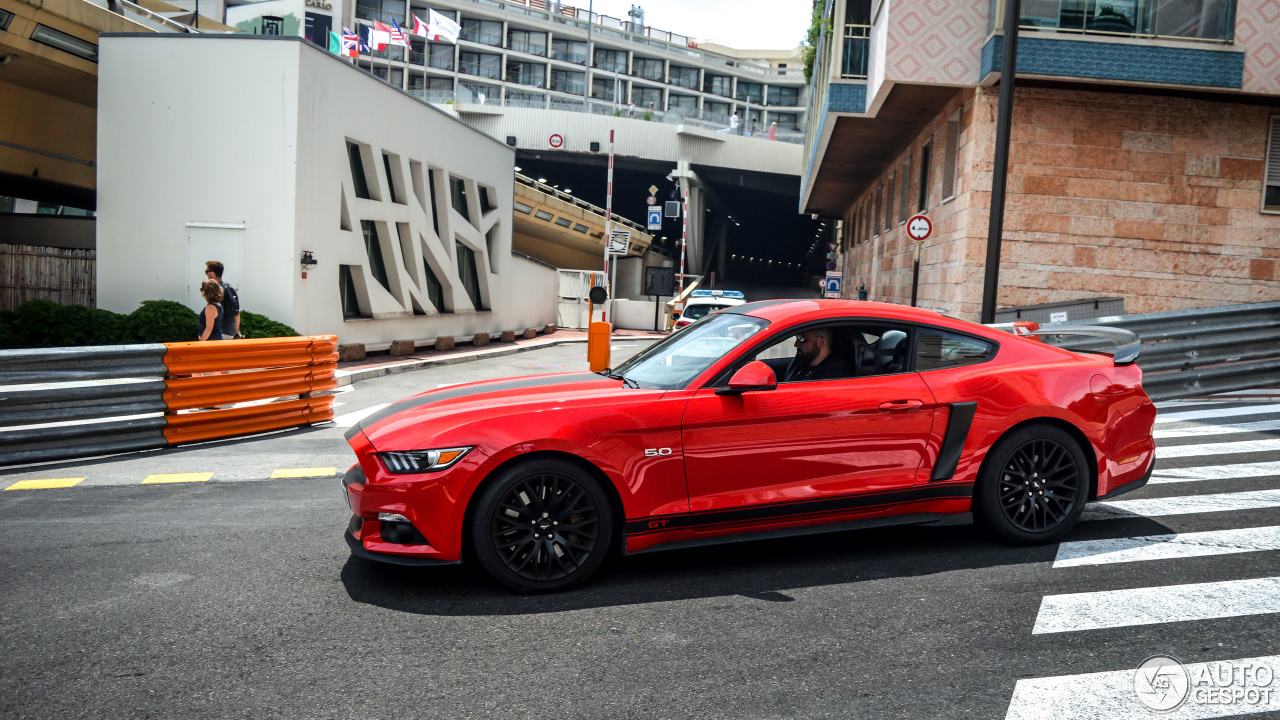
(815, 358)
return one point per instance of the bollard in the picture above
(598, 336)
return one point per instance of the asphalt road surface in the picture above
(237, 597)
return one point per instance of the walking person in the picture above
(631, 110)
(773, 131)
(211, 314)
(733, 123)
(230, 301)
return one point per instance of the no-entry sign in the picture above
(919, 227)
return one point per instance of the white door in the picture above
(212, 241)
(573, 306)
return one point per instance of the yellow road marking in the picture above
(44, 484)
(304, 472)
(177, 478)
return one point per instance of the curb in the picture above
(347, 377)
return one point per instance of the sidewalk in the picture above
(376, 365)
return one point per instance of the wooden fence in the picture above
(30, 272)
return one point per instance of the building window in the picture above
(922, 203)
(888, 204)
(435, 289)
(566, 81)
(534, 43)
(879, 205)
(528, 74)
(906, 188)
(381, 10)
(374, 250)
(857, 39)
(435, 209)
(750, 92)
(685, 77)
(358, 181)
(717, 84)
(949, 157)
(1200, 19)
(572, 51)
(603, 88)
(485, 32)
(684, 104)
(716, 111)
(647, 68)
(480, 64)
(391, 179)
(787, 121)
(440, 57)
(783, 96)
(646, 98)
(1271, 191)
(468, 274)
(347, 293)
(458, 197)
(611, 60)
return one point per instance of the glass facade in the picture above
(717, 84)
(646, 98)
(569, 51)
(750, 92)
(611, 60)
(480, 64)
(567, 81)
(534, 43)
(529, 74)
(1212, 20)
(487, 32)
(647, 68)
(685, 77)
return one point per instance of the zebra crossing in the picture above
(1217, 473)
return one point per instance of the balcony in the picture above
(857, 44)
(648, 74)
(478, 70)
(528, 47)
(483, 38)
(611, 66)
(569, 57)
(569, 87)
(1204, 20)
(440, 62)
(690, 82)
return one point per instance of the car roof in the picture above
(787, 310)
(716, 300)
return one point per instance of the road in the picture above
(237, 596)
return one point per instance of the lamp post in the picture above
(1000, 171)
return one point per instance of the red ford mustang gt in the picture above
(764, 419)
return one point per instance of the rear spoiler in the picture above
(1121, 344)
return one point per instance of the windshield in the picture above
(697, 312)
(676, 361)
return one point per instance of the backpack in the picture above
(230, 300)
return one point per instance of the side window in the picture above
(937, 349)
(853, 350)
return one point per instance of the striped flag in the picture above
(351, 45)
(397, 35)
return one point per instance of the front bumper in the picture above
(370, 537)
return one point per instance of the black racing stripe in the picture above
(451, 393)
(957, 430)
(799, 508)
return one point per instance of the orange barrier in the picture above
(277, 375)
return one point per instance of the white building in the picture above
(258, 151)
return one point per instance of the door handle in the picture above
(901, 405)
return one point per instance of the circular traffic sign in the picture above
(556, 140)
(919, 227)
(598, 295)
(651, 200)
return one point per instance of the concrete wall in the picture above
(1155, 199)
(246, 138)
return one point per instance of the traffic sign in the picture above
(831, 265)
(832, 256)
(651, 200)
(831, 285)
(655, 218)
(653, 189)
(619, 242)
(919, 228)
(673, 209)
(556, 141)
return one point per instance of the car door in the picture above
(805, 451)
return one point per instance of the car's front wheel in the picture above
(1032, 487)
(541, 526)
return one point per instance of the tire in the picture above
(541, 526)
(1033, 486)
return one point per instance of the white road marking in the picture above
(351, 418)
(1261, 426)
(1215, 472)
(1111, 696)
(1165, 547)
(1225, 448)
(1182, 505)
(1217, 413)
(1157, 605)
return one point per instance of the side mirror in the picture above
(755, 375)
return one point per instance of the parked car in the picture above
(702, 438)
(702, 303)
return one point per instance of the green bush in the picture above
(253, 325)
(648, 115)
(36, 322)
(8, 339)
(159, 321)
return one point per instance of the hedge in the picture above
(44, 323)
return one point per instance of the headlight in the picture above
(422, 461)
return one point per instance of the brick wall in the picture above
(1149, 197)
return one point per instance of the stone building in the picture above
(1144, 160)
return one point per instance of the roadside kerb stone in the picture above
(444, 342)
(402, 348)
(530, 333)
(350, 352)
(508, 336)
(480, 339)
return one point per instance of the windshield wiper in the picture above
(628, 382)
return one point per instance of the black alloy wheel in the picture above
(1033, 487)
(541, 526)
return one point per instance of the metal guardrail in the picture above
(60, 403)
(1188, 353)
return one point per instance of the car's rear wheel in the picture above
(541, 526)
(1032, 487)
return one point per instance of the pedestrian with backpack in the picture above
(230, 301)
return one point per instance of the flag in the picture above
(380, 37)
(419, 27)
(397, 35)
(335, 43)
(442, 28)
(373, 39)
(351, 43)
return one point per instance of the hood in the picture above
(487, 393)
